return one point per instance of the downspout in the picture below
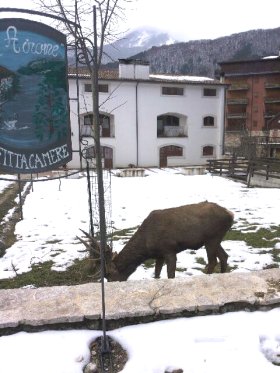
(137, 124)
(222, 80)
(224, 120)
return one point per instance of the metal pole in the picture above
(90, 200)
(20, 197)
(102, 218)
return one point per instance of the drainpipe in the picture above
(224, 120)
(137, 122)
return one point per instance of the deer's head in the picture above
(93, 246)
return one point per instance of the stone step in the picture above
(133, 302)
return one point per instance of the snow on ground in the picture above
(56, 210)
(233, 342)
(53, 214)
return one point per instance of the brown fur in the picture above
(164, 233)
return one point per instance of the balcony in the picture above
(236, 127)
(272, 100)
(237, 101)
(87, 131)
(272, 85)
(269, 114)
(236, 115)
(238, 87)
(172, 131)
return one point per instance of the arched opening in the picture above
(169, 151)
(171, 125)
(208, 151)
(106, 126)
(209, 121)
(106, 154)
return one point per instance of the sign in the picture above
(34, 110)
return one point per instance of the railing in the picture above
(236, 115)
(266, 167)
(87, 131)
(272, 100)
(238, 87)
(232, 167)
(263, 140)
(269, 114)
(272, 85)
(237, 101)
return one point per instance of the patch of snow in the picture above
(180, 78)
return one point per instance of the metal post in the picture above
(90, 201)
(20, 197)
(102, 218)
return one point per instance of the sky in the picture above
(240, 341)
(193, 20)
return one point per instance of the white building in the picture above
(149, 120)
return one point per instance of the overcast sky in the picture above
(196, 19)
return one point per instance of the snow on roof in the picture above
(180, 77)
(113, 74)
(183, 78)
(270, 57)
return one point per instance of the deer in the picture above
(163, 234)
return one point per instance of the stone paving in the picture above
(137, 301)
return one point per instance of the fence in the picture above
(266, 168)
(232, 167)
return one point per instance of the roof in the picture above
(84, 73)
(113, 74)
(261, 60)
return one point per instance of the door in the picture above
(169, 151)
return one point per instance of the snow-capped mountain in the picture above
(137, 41)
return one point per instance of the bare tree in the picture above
(88, 28)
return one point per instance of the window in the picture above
(172, 91)
(208, 151)
(208, 121)
(168, 125)
(88, 120)
(104, 88)
(169, 120)
(87, 87)
(209, 92)
(105, 125)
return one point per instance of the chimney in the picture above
(134, 69)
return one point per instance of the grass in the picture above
(7, 203)
(42, 275)
(122, 233)
(200, 260)
(80, 272)
(261, 238)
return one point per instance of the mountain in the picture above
(201, 57)
(195, 57)
(136, 42)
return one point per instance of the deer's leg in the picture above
(170, 260)
(212, 258)
(158, 267)
(223, 257)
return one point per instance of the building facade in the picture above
(252, 99)
(147, 120)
